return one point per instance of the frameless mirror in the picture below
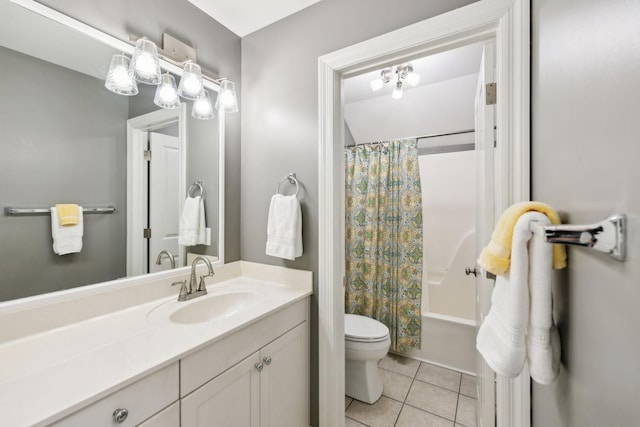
(66, 139)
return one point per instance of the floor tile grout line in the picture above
(407, 395)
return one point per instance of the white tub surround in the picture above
(62, 352)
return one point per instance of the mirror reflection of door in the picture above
(163, 200)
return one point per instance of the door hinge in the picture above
(147, 155)
(491, 92)
(146, 233)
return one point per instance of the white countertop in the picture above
(50, 374)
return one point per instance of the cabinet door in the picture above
(229, 400)
(284, 381)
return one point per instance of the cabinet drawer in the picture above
(169, 417)
(141, 399)
(200, 367)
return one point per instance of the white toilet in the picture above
(366, 342)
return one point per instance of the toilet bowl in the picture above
(366, 342)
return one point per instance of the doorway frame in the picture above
(508, 23)
(137, 131)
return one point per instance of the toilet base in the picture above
(362, 380)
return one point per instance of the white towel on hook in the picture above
(67, 239)
(284, 227)
(517, 326)
(192, 230)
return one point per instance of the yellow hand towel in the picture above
(496, 256)
(67, 214)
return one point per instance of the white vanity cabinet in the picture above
(135, 403)
(268, 388)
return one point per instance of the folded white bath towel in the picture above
(284, 227)
(67, 239)
(518, 327)
(192, 230)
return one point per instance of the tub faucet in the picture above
(169, 255)
(192, 291)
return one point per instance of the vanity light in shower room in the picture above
(144, 67)
(404, 74)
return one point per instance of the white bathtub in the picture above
(447, 341)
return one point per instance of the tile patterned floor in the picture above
(417, 394)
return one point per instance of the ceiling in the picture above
(246, 16)
(432, 69)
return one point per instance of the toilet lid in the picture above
(362, 328)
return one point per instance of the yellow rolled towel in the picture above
(496, 256)
(67, 214)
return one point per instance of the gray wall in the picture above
(218, 51)
(48, 158)
(585, 153)
(279, 113)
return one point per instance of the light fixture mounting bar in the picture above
(178, 53)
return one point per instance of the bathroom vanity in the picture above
(128, 353)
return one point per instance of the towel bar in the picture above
(47, 211)
(608, 236)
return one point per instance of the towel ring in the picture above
(195, 187)
(292, 180)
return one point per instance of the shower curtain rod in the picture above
(436, 135)
(433, 135)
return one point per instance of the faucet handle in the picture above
(202, 286)
(183, 289)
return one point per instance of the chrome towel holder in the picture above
(291, 177)
(195, 187)
(608, 235)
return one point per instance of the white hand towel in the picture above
(284, 227)
(501, 338)
(543, 340)
(67, 239)
(192, 223)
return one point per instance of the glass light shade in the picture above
(202, 108)
(145, 66)
(166, 93)
(118, 79)
(412, 78)
(191, 86)
(397, 91)
(376, 84)
(227, 100)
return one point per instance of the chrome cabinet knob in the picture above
(259, 366)
(120, 414)
(267, 360)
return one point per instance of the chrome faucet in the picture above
(168, 255)
(193, 291)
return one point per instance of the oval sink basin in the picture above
(214, 306)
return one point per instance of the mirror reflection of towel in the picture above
(284, 227)
(67, 214)
(192, 225)
(67, 239)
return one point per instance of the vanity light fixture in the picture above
(404, 74)
(118, 79)
(167, 94)
(144, 67)
(202, 108)
(191, 86)
(227, 100)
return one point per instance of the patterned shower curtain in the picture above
(384, 237)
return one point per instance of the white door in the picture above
(232, 399)
(284, 380)
(164, 199)
(484, 125)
